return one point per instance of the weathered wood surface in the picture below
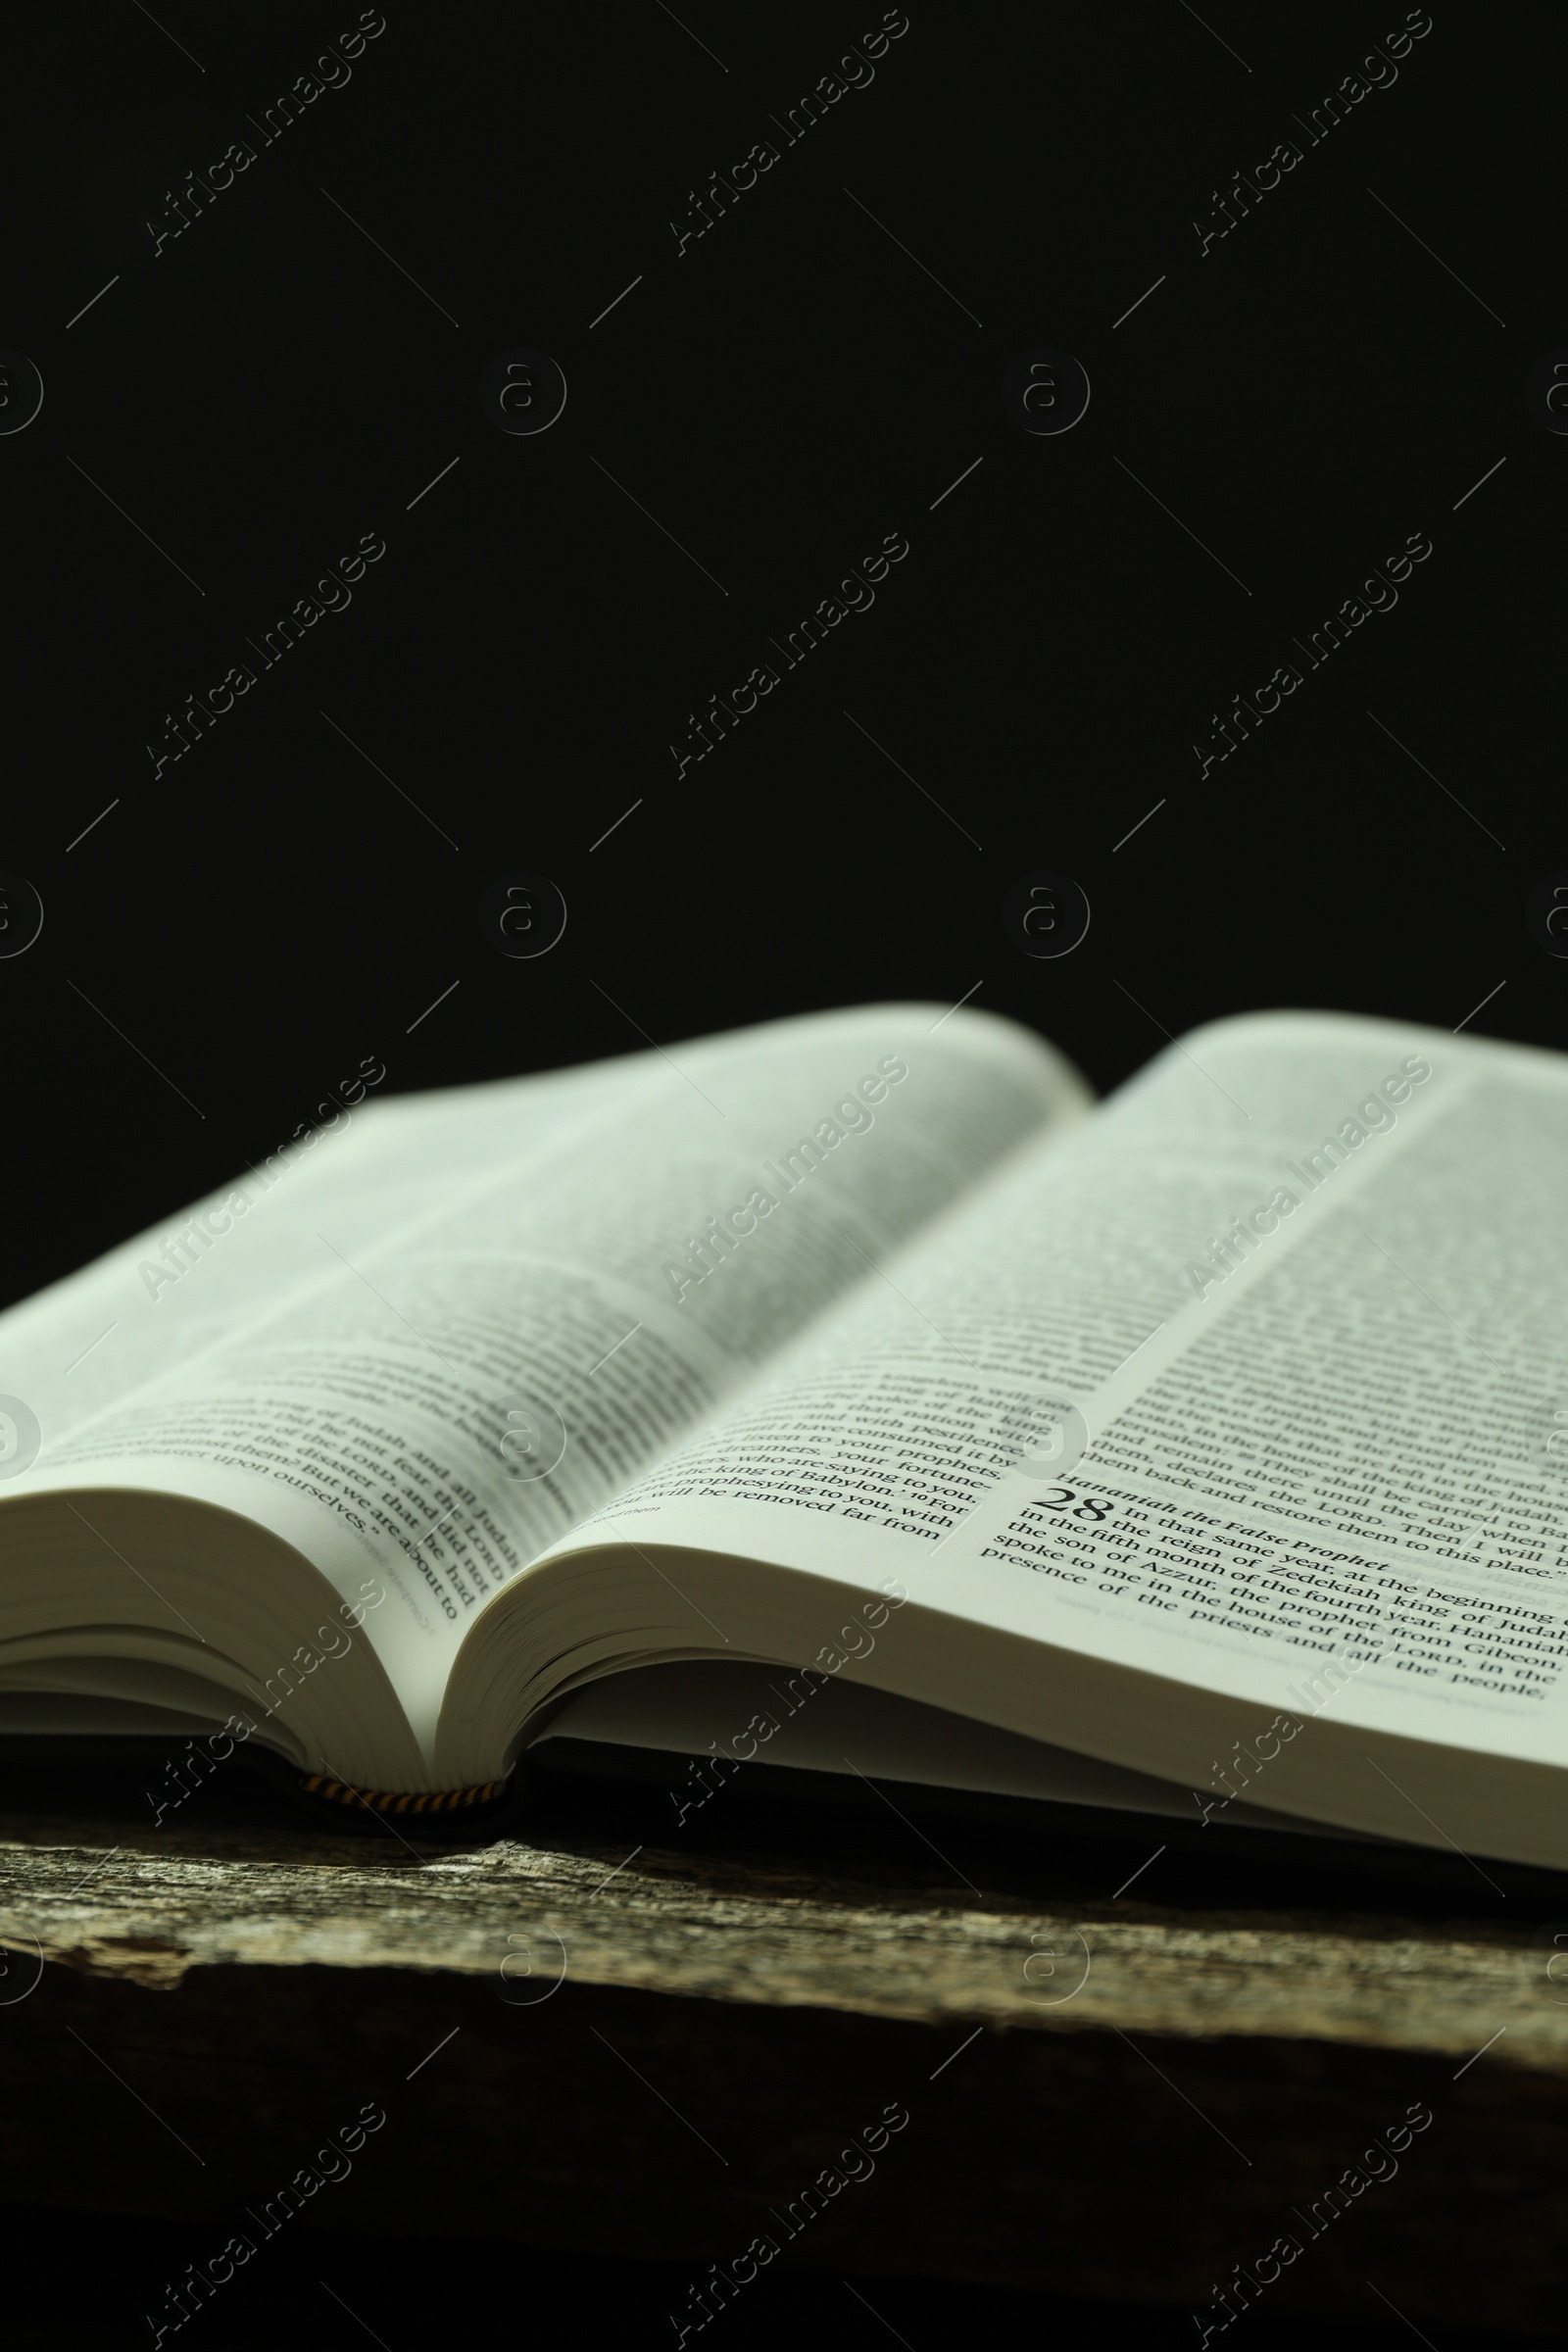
(646, 2052)
(112, 1898)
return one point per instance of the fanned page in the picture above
(1253, 1385)
(487, 1315)
(160, 1645)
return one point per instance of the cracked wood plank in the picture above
(112, 1901)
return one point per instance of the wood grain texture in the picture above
(647, 2052)
(146, 1907)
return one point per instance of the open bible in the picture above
(850, 1393)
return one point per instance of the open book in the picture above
(850, 1391)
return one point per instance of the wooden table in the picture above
(656, 2052)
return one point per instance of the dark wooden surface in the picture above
(643, 2053)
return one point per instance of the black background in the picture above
(242, 927)
(780, 395)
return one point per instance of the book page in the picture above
(151, 1301)
(693, 1711)
(446, 1400)
(1258, 1382)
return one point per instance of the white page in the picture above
(399, 1409)
(1279, 1468)
(152, 1302)
(702, 1711)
